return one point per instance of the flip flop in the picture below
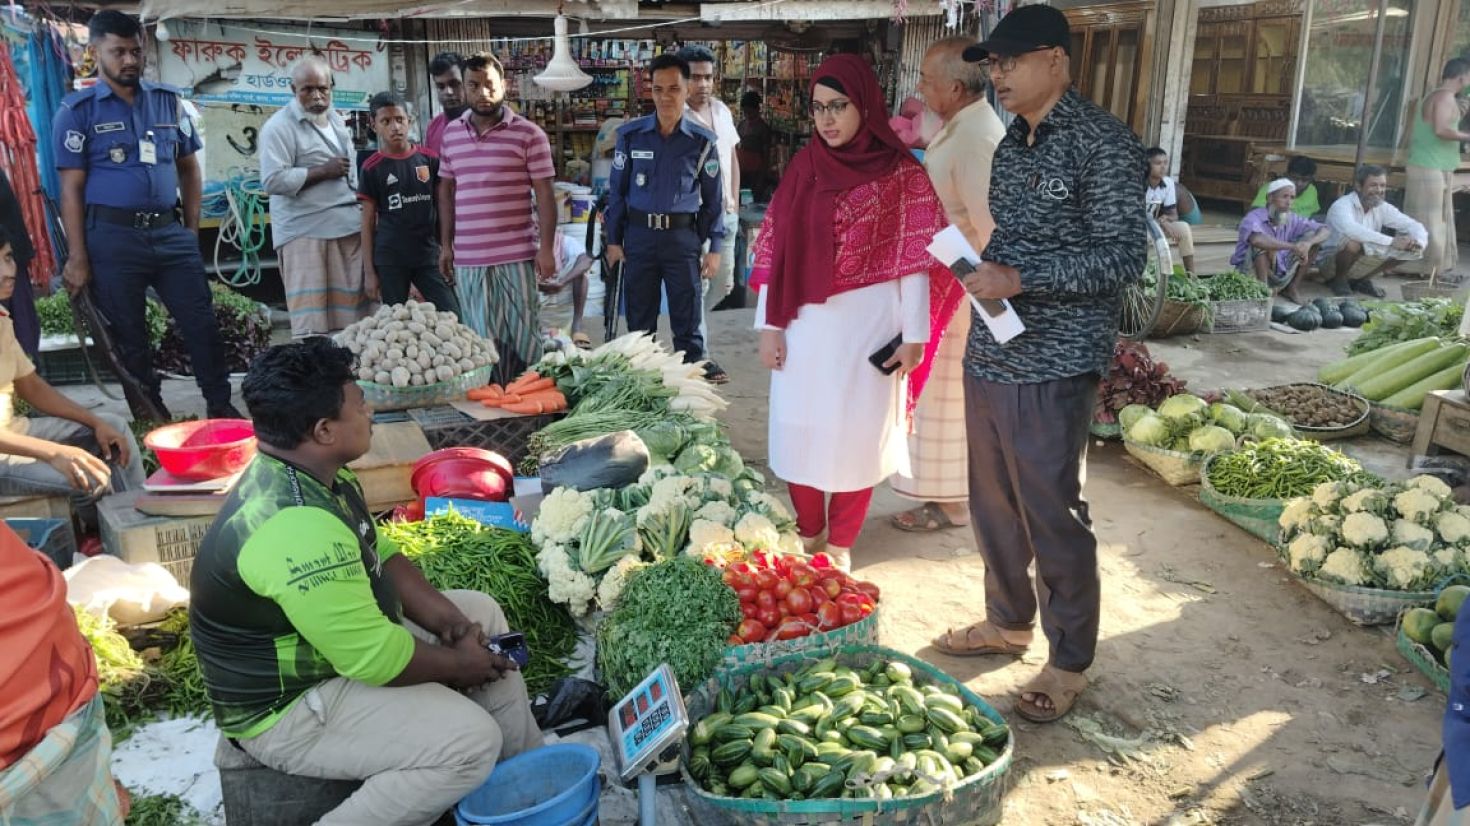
(991, 642)
(1367, 287)
(714, 374)
(1061, 687)
(582, 341)
(927, 518)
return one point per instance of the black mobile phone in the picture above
(511, 645)
(880, 358)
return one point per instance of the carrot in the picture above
(491, 391)
(522, 380)
(537, 386)
(510, 398)
(526, 407)
(543, 396)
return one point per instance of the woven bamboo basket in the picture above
(1178, 318)
(1419, 290)
(1172, 466)
(1394, 424)
(1362, 606)
(1422, 658)
(1257, 517)
(975, 800)
(1357, 427)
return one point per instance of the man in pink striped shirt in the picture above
(492, 160)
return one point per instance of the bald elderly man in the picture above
(306, 166)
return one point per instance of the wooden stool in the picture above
(1444, 424)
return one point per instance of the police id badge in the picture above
(640, 179)
(712, 167)
(117, 154)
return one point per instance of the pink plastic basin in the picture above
(196, 451)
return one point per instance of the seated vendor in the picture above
(1161, 195)
(572, 266)
(1277, 244)
(68, 449)
(325, 652)
(1359, 249)
(55, 752)
(1302, 172)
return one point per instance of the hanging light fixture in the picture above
(562, 74)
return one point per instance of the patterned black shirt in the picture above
(1069, 215)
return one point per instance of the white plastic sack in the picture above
(131, 594)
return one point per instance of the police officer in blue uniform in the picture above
(664, 203)
(125, 149)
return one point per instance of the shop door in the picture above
(1111, 46)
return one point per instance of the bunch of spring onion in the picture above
(641, 355)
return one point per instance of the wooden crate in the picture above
(1444, 424)
(35, 507)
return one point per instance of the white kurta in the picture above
(836, 423)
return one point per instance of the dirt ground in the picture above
(1222, 692)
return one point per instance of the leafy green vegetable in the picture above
(1232, 285)
(1395, 322)
(54, 312)
(456, 552)
(184, 694)
(129, 688)
(679, 612)
(244, 331)
(162, 810)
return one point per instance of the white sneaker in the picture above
(841, 558)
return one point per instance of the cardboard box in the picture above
(136, 537)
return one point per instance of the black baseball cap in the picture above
(1025, 29)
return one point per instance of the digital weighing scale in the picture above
(646, 728)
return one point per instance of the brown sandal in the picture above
(926, 518)
(1061, 687)
(961, 642)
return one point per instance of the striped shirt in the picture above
(493, 221)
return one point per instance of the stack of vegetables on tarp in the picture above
(1371, 549)
(1174, 440)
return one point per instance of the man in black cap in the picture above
(1068, 199)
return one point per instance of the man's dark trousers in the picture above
(1028, 460)
(126, 261)
(668, 259)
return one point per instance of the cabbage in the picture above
(730, 463)
(1150, 430)
(1265, 426)
(1183, 407)
(1132, 413)
(1181, 445)
(1228, 416)
(1211, 439)
(664, 439)
(697, 458)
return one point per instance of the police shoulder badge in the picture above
(712, 167)
(74, 141)
(620, 159)
(117, 154)
(186, 125)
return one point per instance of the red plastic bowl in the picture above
(195, 451)
(463, 473)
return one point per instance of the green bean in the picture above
(1282, 469)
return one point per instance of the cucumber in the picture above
(773, 710)
(756, 720)
(1412, 397)
(794, 727)
(816, 681)
(867, 737)
(1340, 370)
(842, 686)
(1389, 360)
(725, 701)
(775, 780)
(958, 752)
(763, 746)
(728, 754)
(744, 775)
(1386, 384)
(899, 672)
(745, 703)
(946, 719)
(911, 700)
(704, 730)
(829, 785)
(911, 723)
(945, 701)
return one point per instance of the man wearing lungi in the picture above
(306, 166)
(491, 161)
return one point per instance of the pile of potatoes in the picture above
(411, 345)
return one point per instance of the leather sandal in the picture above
(977, 640)
(1061, 687)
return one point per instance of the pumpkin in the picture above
(1305, 320)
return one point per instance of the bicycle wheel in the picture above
(1143, 299)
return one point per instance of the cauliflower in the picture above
(1326, 494)
(1463, 510)
(612, 583)
(1344, 565)
(1296, 515)
(1448, 559)
(1412, 535)
(1404, 568)
(1326, 525)
(755, 531)
(1453, 527)
(708, 537)
(718, 487)
(1307, 551)
(566, 586)
(771, 508)
(1364, 530)
(1365, 500)
(1416, 504)
(720, 512)
(562, 516)
(656, 473)
(1433, 485)
(669, 488)
(791, 544)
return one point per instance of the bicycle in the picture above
(1143, 299)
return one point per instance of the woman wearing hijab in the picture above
(843, 271)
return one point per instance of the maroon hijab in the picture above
(803, 248)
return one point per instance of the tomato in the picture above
(810, 619)
(851, 614)
(748, 610)
(746, 594)
(803, 574)
(782, 608)
(730, 575)
(760, 559)
(869, 588)
(734, 639)
(791, 629)
(829, 615)
(742, 567)
(767, 579)
(751, 630)
(783, 588)
(799, 601)
(821, 560)
(768, 618)
(819, 596)
(784, 564)
(867, 609)
(851, 598)
(831, 586)
(765, 599)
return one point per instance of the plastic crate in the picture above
(52, 537)
(446, 427)
(61, 367)
(1245, 316)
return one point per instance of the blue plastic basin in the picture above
(550, 786)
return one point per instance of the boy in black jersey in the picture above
(399, 219)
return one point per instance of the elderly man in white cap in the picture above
(1277, 244)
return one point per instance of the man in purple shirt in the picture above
(447, 70)
(1277, 244)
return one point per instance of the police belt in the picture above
(660, 220)
(133, 218)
